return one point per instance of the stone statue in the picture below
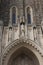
(22, 24)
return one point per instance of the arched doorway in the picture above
(23, 56)
(21, 49)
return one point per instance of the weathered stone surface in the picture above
(11, 35)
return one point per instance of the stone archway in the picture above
(23, 56)
(17, 48)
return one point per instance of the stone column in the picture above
(39, 37)
(26, 35)
(19, 26)
(35, 33)
(1, 29)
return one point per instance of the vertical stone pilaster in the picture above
(26, 34)
(19, 26)
(1, 42)
(39, 37)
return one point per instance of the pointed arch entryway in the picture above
(23, 56)
(21, 52)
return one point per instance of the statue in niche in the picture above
(28, 15)
(22, 27)
(10, 35)
(13, 15)
(35, 33)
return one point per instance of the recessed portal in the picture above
(23, 56)
(22, 60)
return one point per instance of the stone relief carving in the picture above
(22, 25)
(35, 33)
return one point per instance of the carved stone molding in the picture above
(20, 42)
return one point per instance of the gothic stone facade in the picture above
(21, 32)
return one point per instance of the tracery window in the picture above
(13, 15)
(28, 15)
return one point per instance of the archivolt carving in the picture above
(21, 42)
